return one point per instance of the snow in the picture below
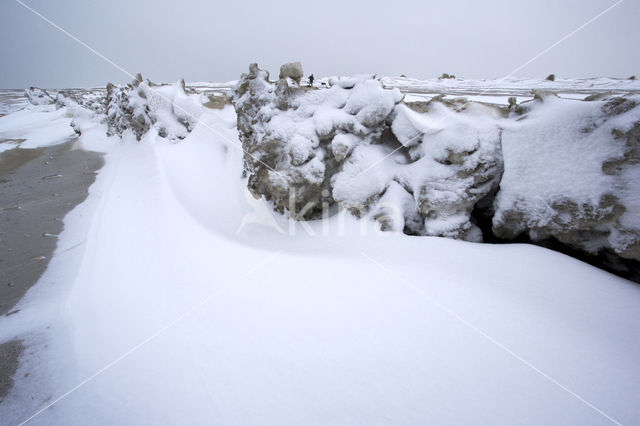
(7, 145)
(544, 158)
(513, 85)
(353, 184)
(452, 160)
(11, 101)
(455, 161)
(559, 152)
(500, 90)
(39, 126)
(326, 118)
(370, 103)
(140, 105)
(488, 99)
(37, 96)
(289, 131)
(179, 311)
(489, 91)
(409, 126)
(342, 144)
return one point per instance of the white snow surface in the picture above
(39, 126)
(513, 85)
(500, 90)
(545, 159)
(490, 91)
(11, 101)
(557, 153)
(173, 298)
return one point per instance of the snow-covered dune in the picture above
(175, 297)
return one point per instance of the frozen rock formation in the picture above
(296, 139)
(551, 167)
(142, 105)
(571, 171)
(307, 148)
(547, 169)
(37, 96)
(127, 109)
(455, 161)
(293, 71)
(92, 99)
(447, 162)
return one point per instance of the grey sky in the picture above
(215, 41)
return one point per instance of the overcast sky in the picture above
(215, 41)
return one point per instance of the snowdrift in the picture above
(160, 307)
(547, 168)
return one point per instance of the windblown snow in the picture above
(175, 296)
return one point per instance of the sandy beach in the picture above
(38, 187)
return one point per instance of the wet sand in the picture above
(38, 187)
(9, 355)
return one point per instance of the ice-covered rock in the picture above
(550, 167)
(297, 139)
(571, 171)
(142, 105)
(37, 96)
(92, 99)
(446, 162)
(305, 148)
(127, 110)
(293, 71)
(455, 162)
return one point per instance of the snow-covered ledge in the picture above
(548, 167)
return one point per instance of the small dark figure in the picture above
(311, 80)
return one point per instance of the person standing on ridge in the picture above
(311, 80)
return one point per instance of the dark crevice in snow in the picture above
(604, 259)
(482, 216)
